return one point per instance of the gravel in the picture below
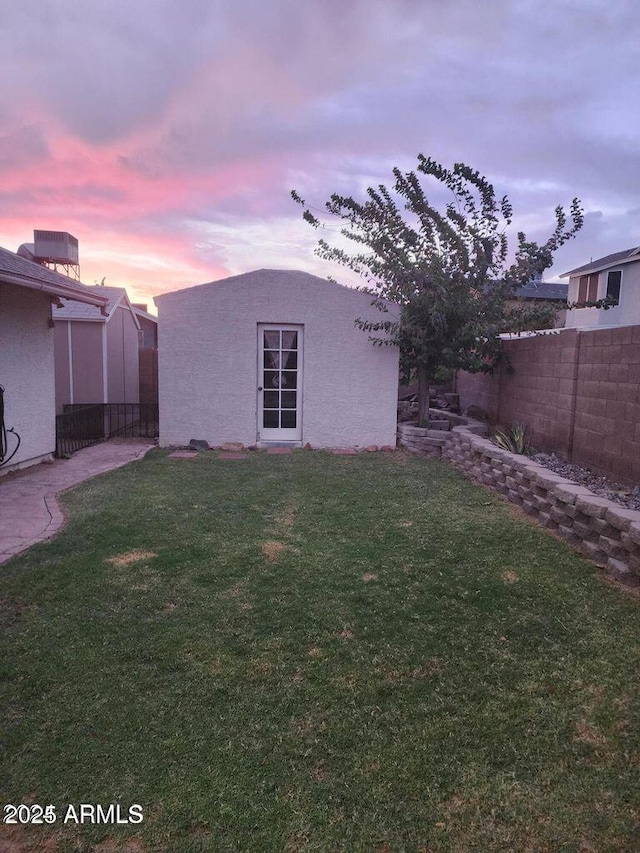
(626, 496)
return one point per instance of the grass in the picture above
(316, 653)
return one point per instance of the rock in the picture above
(199, 444)
(477, 413)
(371, 448)
(596, 483)
(232, 446)
(307, 447)
(387, 448)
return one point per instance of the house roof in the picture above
(144, 315)
(625, 257)
(114, 296)
(24, 273)
(543, 290)
(265, 277)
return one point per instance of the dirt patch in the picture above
(264, 666)
(315, 652)
(319, 773)
(273, 549)
(306, 727)
(286, 516)
(13, 840)
(633, 591)
(418, 673)
(590, 735)
(131, 557)
(131, 845)
(346, 634)
(348, 681)
(370, 576)
(509, 577)
(296, 843)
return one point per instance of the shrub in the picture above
(517, 440)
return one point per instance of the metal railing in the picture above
(81, 425)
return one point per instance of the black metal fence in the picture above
(81, 425)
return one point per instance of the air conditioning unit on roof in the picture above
(55, 247)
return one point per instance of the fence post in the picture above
(574, 394)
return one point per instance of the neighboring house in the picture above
(27, 293)
(616, 276)
(546, 293)
(270, 357)
(96, 353)
(148, 354)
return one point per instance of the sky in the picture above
(167, 135)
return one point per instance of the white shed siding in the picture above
(208, 367)
(27, 372)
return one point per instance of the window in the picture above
(614, 280)
(588, 288)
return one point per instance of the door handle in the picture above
(260, 388)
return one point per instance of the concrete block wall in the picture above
(603, 531)
(607, 407)
(577, 391)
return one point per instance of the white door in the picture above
(279, 382)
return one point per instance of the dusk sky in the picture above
(166, 135)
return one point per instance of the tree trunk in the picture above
(423, 396)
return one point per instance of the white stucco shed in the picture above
(273, 356)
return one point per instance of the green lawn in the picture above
(317, 653)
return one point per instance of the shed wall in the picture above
(208, 366)
(122, 358)
(61, 339)
(86, 347)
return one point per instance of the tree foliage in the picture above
(441, 276)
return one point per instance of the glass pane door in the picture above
(279, 391)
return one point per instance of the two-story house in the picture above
(616, 276)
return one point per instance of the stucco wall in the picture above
(208, 366)
(27, 372)
(627, 312)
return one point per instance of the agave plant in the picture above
(517, 440)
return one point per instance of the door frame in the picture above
(278, 435)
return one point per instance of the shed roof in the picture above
(114, 296)
(264, 277)
(24, 273)
(613, 260)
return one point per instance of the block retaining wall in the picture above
(428, 442)
(602, 530)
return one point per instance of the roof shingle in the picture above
(625, 256)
